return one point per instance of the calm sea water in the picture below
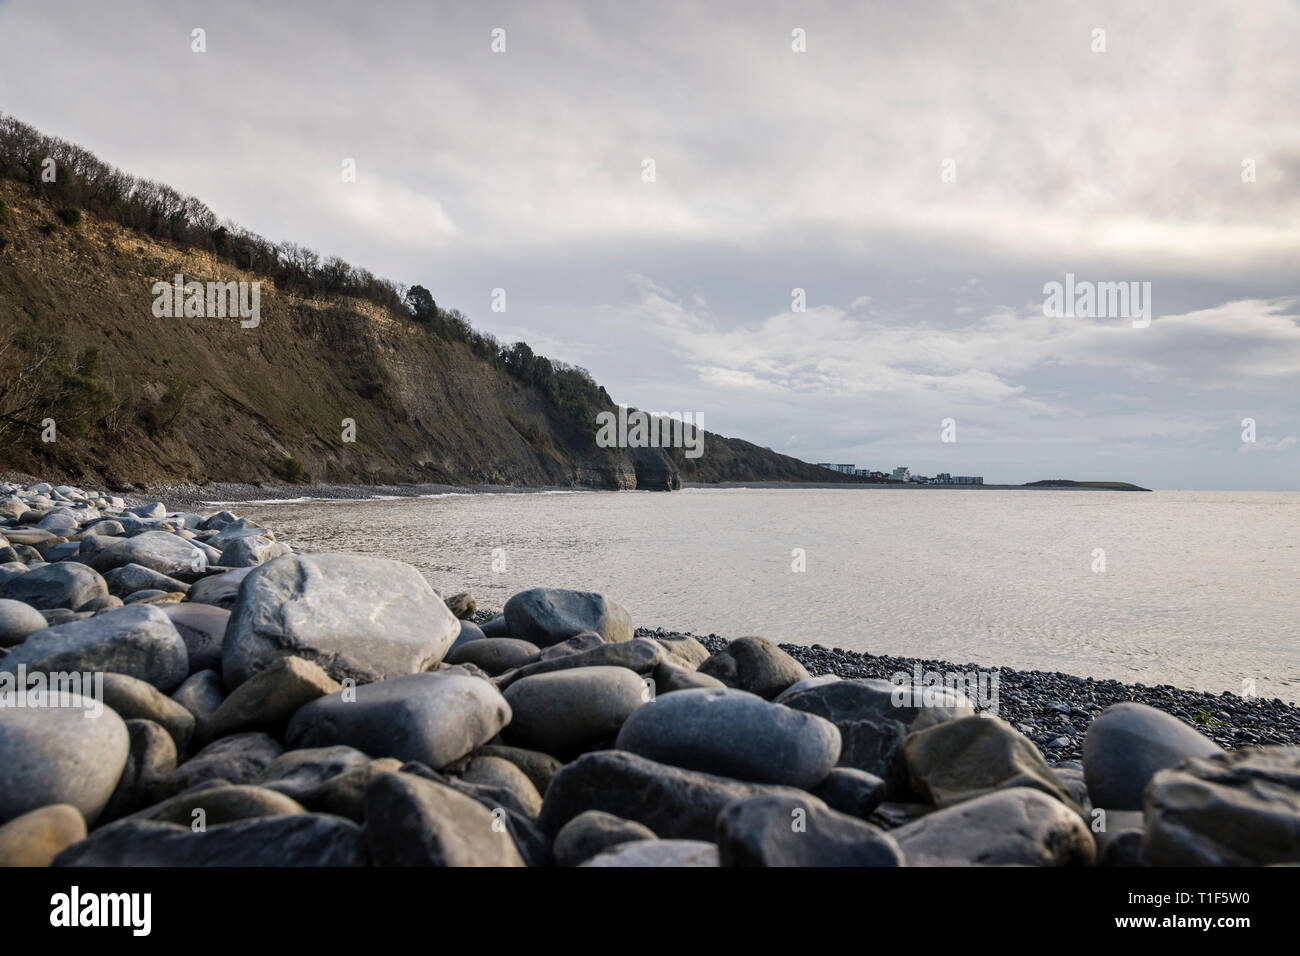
(1199, 588)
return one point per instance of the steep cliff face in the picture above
(332, 389)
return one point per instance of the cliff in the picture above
(137, 397)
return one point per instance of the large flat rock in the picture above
(357, 617)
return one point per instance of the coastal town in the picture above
(902, 475)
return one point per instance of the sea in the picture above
(1196, 589)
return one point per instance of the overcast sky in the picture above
(775, 170)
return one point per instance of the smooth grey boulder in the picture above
(65, 585)
(60, 754)
(754, 664)
(130, 578)
(203, 629)
(670, 677)
(546, 616)
(572, 645)
(217, 521)
(490, 771)
(240, 758)
(101, 604)
(669, 853)
(874, 717)
(356, 616)
(504, 805)
(221, 803)
(150, 761)
(808, 683)
(594, 832)
(32, 537)
(496, 627)
(564, 712)
(59, 522)
(435, 719)
(494, 654)
(154, 597)
(538, 767)
(133, 698)
(469, 631)
(1125, 747)
(11, 506)
(638, 655)
(100, 534)
(64, 551)
(251, 551)
(970, 756)
(1233, 809)
(309, 839)
(852, 791)
(17, 621)
(327, 779)
(235, 531)
(201, 695)
(61, 615)
(138, 641)
(299, 772)
(685, 650)
(732, 733)
(154, 509)
(271, 697)
(1020, 826)
(411, 821)
(220, 589)
(673, 802)
(159, 551)
(780, 830)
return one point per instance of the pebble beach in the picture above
(179, 687)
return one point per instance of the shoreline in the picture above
(1028, 699)
(221, 494)
(218, 494)
(898, 486)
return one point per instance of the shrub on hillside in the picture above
(289, 469)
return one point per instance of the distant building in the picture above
(943, 478)
(842, 469)
(902, 474)
(968, 480)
